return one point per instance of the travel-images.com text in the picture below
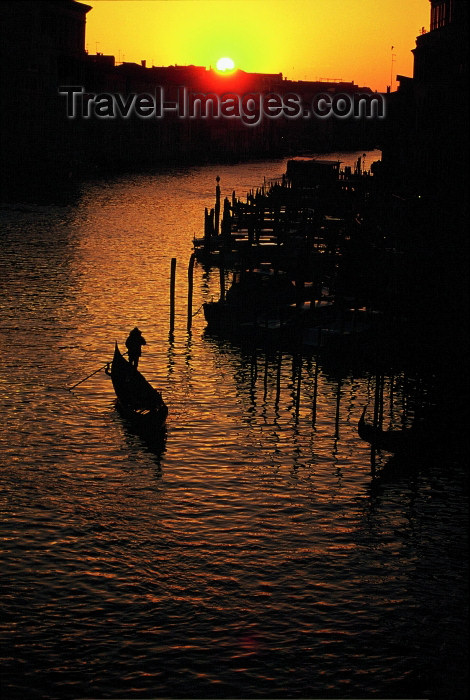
(250, 108)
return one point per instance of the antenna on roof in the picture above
(391, 69)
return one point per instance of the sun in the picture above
(225, 65)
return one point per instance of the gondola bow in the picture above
(394, 441)
(136, 398)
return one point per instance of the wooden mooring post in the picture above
(190, 292)
(217, 206)
(172, 295)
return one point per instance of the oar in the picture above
(69, 388)
(90, 375)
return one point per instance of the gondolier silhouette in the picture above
(134, 343)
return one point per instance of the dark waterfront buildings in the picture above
(43, 47)
(426, 147)
(42, 44)
(424, 198)
(424, 135)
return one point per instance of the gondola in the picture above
(258, 301)
(137, 400)
(395, 441)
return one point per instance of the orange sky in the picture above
(303, 39)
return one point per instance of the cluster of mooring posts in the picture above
(312, 200)
(305, 265)
(290, 247)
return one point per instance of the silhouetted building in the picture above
(426, 150)
(42, 45)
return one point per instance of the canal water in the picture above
(250, 554)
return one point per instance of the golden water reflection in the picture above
(251, 553)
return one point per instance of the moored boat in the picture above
(261, 300)
(136, 398)
(395, 441)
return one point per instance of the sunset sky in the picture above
(303, 39)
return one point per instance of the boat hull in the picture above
(137, 400)
(394, 441)
(223, 316)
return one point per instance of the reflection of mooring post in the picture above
(190, 292)
(392, 382)
(378, 401)
(172, 296)
(253, 378)
(278, 378)
(222, 280)
(315, 393)
(378, 412)
(265, 382)
(381, 414)
(217, 206)
(298, 387)
(338, 402)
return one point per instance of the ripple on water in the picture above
(250, 554)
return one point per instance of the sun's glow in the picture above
(224, 65)
(319, 38)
